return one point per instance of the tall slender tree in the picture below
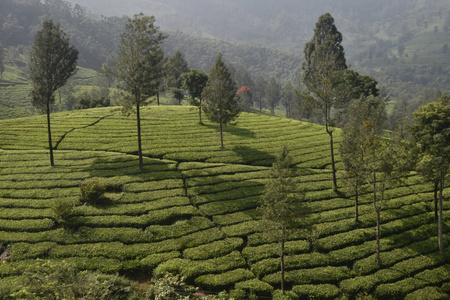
(221, 103)
(53, 62)
(362, 113)
(139, 66)
(324, 55)
(431, 130)
(273, 94)
(173, 68)
(288, 97)
(260, 91)
(194, 82)
(282, 205)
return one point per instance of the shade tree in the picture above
(260, 91)
(220, 101)
(53, 62)
(194, 82)
(431, 131)
(174, 66)
(288, 98)
(273, 94)
(355, 136)
(283, 206)
(138, 66)
(324, 55)
(328, 82)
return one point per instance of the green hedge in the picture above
(237, 217)
(30, 225)
(23, 251)
(230, 206)
(191, 269)
(255, 286)
(435, 276)
(301, 261)
(234, 194)
(307, 276)
(399, 289)
(214, 249)
(225, 187)
(150, 262)
(242, 229)
(319, 291)
(180, 228)
(133, 209)
(427, 293)
(368, 265)
(362, 284)
(340, 240)
(219, 282)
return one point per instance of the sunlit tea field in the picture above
(193, 210)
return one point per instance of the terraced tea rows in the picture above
(193, 210)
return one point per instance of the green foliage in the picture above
(170, 287)
(429, 293)
(221, 103)
(255, 286)
(319, 291)
(50, 72)
(93, 192)
(213, 250)
(174, 67)
(62, 209)
(64, 281)
(218, 282)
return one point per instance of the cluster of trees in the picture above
(372, 160)
(141, 69)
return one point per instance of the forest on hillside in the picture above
(402, 44)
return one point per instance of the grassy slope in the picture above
(15, 87)
(193, 209)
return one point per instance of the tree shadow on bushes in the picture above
(232, 129)
(254, 156)
(128, 165)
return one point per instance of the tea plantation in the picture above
(193, 209)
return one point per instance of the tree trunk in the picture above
(200, 110)
(436, 189)
(221, 135)
(157, 97)
(282, 265)
(440, 220)
(138, 117)
(377, 211)
(50, 145)
(333, 165)
(378, 238)
(356, 201)
(330, 133)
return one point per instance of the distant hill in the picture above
(404, 44)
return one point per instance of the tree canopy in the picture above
(194, 82)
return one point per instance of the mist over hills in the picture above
(286, 24)
(404, 44)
